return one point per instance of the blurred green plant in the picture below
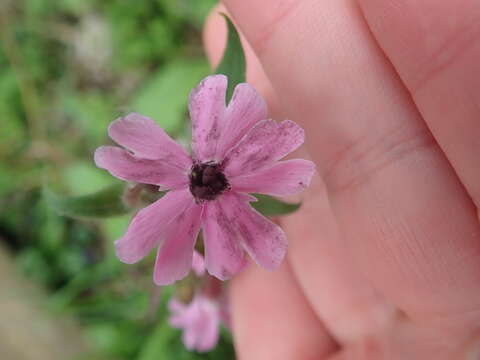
(67, 68)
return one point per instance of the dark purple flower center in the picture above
(207, 181)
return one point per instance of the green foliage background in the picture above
(68, 68)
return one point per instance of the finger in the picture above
(323, 266)
(407, 219)
(342, 298)
(435, 49)
(272, 320)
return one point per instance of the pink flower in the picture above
(200, 321)
(235, 152)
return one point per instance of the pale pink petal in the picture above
(265, 143)
(123, 165)
(210, 328)
(149, 225)
(246, 108)
(265, 241)
(284, 178)
(177, 311)
(198, 264)
(207, 110)
(224, 256)
(174, 305)
(200, 321)
(147, 140)
(189, 337)
(174, 258)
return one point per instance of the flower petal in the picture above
(174, 258)
(246, 108)
(265, 241)
(147, 140)
(200, 322)
(224, 256)
(149, 225)
(175, 306)
(210, 326)
(282, 179)
(123, 165)
(198, 264)
(265, 143)
(207, 109)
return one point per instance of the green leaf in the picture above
(233, 62)
(83, 177)
(104, 203)
(270, 206)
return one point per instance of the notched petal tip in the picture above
(293, 130)
(245, 109)
(146, 139)
(266, 142)
(214, 79)
(244, 93)
(206, 86)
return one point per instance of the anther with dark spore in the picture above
(207, 181)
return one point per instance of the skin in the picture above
(384, 255)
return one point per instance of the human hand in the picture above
(384, 255)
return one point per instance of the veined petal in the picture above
(174, 258)
(146, 139)
(207, 109)
(224, 255)
(267, 142)
(123, 165)
(284, 178)
(246, 108)
(148, 227)
(264, 241)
